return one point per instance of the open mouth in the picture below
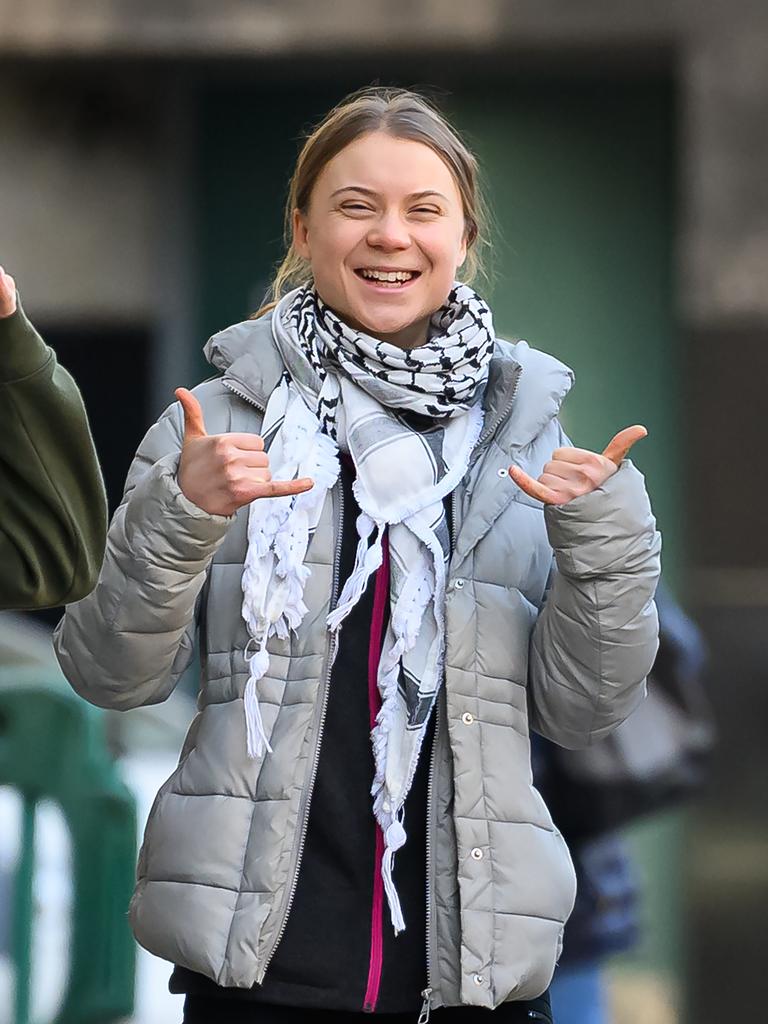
(391, 280)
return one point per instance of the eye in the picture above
(426, 211)
(355, 207)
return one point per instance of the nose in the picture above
(389, 233)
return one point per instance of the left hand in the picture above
(575, 471)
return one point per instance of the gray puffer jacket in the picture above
(562, 646)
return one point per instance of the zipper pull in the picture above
(426, 1006)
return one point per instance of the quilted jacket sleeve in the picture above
(596, 636)
(127, 643)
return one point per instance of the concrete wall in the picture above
(719, 51)
(78, 192)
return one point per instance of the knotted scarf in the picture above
(409, 419)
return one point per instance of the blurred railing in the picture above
(53, 748)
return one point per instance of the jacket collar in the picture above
(246, 356)
(524, 392)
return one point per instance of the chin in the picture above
(386, 325)
(388, 320)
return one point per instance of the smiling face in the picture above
(385, 235)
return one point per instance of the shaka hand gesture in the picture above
(222, 472)
(572, 472)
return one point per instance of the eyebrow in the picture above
(375, 195)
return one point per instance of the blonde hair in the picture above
(402, 114)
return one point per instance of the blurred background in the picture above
(145, 151)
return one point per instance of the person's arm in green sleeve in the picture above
(53, 510)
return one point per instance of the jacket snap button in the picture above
(467, 718)
(477, 853)
(478, 979)
(502, 472)
(459, 584)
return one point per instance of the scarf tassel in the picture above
(367, 561)
(256, 736)
(394, 838)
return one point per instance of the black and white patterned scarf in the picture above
(409, 420)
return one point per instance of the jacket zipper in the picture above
(430, 801)
(376, 959)
(426, 1006)
(487, 433)
(427, 993)
(246, 398)
(490, 428)
(331, 654)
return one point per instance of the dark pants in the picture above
(202, 1010)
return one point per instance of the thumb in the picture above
(7, 294)
(194, 425)
(618, 447)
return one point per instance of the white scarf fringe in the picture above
(275, 572)
(367, 561)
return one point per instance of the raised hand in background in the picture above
(7, 294)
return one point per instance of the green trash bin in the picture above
(53, 747)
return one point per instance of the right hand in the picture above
(573, 472)
(222, 472)
(7, 294)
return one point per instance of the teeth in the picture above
(391, 276)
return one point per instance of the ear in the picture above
(300, 234)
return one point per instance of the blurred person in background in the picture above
(607, 918)
(417, 485)
(53, 509)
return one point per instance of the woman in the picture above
(413, 456)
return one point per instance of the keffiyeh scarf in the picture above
(409, 420)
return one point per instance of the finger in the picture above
(570, 471)
(283, 488)
(250, 460)
(558, 486)
(532, 487)
(245, 442)
(619, 446)
(194, 425)
(574, 455)
(232, 453)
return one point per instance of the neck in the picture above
(411, 336)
